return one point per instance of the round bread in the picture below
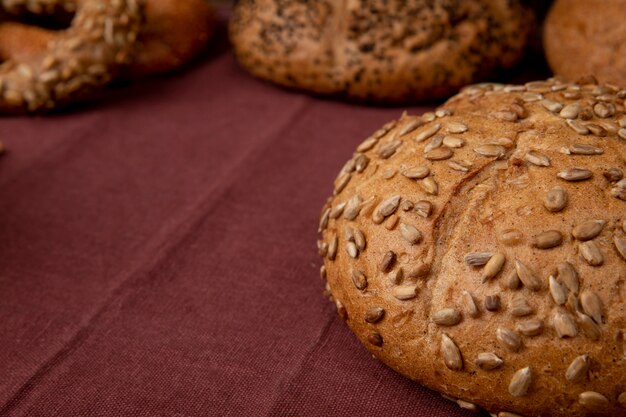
(75, 62)
(173, 34)
(378, 50)
(587, 37)
(480, 250)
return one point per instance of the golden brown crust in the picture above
(481, 250)
(79, 60)
(587, 37)
(370, 49)
(173, 34)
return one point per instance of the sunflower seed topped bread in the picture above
(587, 37)
(378, 50)
(480, 249)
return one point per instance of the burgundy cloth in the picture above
(158, 258)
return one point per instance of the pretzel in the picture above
(171, 32)
(39, 73)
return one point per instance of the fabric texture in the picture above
(157, 256)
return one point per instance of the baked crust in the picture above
(378, 50)
(532, 175)
(587, 37)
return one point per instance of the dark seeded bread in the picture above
(378, 50)
(587, 37)
(481, 250)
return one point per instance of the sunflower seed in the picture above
(451, 353)
(353, 208)
(511, 237)
(530, 328)
(434, 143)
(439, 154)
(529, 97)
(447, 317)
(492, 303)
(518, 307)
(488, 361)
(505, 116)
(527, 276)
(423, 208)
(593, 400)
(389, 173)
(537, 158)
(405, 292)
(341, 310)
(375, 339)
(388, 261)
(324, 220)
(620, 245)
(588, 230)
(591, 252)
(443, 112)
(322, 248)
(622, 133)
(386, 208)
(569, 276)
(575, 174)
(613, 174)
(416, 173)
(429, 116)
(564, 325)
(519, 110)
(596, 129)
(391, 222)
(592, 305)
(622, 399)
(469, 306)
(493, 266)
(359, 239)
(323, 272)
(558, 291)
(336, 211)
(577, 370)
(570, 111)
(453, 142)
(374, 314)
(395, 277)
(406, 205)
(341, 183)
(509, 339)
(478, 258)
(461, 166)
(589, 327)
(410, 233)
(555, 199)
(583, 149)
(619, 192)
(578, 127)
(622, 121)
(410, 126)
(548, 239)
(491, 151)
(551, 105)
(520, 383)
(352, 250)
(467, 405)
(507, 414)
(427, 133)
(603, 111)
(367, 144)
(359, 279)
(430, 186)
(457, 127)
(573, 304)
(332, 248)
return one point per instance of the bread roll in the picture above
(378, 50)
(480, 250)
(587, 37)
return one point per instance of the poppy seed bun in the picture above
(378, 50)
(587, 37)
(480, 250)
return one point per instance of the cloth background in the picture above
(158, 257)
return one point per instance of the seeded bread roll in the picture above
(378, 50)
(480, 250)
(587, 37)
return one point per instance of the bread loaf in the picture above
(587, 37)
(378, 50)
(480, 249)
